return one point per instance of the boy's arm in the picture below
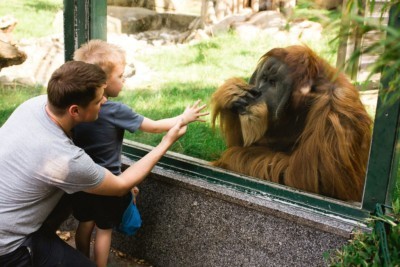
(113, 185)
(191, 114)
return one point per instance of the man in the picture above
(39, 162)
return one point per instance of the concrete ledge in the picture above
(192, 222)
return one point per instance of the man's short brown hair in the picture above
(75, 82)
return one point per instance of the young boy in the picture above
(102, 140)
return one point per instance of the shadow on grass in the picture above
(39, 5)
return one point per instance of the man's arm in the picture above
(113, 185)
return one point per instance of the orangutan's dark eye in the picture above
(272, 82)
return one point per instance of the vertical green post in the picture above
(98, 19)
(69, 26)
(382, 165)
(83, 20)
(394, 22)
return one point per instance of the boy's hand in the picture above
(192, 113)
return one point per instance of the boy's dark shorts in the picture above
(106, 211)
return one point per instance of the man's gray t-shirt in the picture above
(38, 162)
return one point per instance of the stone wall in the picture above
(191, 222)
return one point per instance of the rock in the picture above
(130, 70)
(132, 19)
(5, 79)
(135, 19)
(266, 19)
(7, 25)
(114, 25)
(30, 81)
(7, 21)
(225, 24)
(10, 55)
(44, 55)
(248, 31)
(306, 30)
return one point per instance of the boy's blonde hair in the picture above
(101, 53)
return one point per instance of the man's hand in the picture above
(175, 132)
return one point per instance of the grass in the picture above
(38, 23)
(13, 96)
(199, 141)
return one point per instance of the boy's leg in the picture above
(49, 250)
(83, 237)
(102, 246)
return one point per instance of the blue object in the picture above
(131, 220)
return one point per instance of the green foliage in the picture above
(308, 9)
(396, 194)
(365, 249)
(359, 22)
(35, 17)
(362, 250)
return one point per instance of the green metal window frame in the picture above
(86, 19)
(83, 20)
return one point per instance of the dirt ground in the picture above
(116, 258)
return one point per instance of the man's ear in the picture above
(73, 111)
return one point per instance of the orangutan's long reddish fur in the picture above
(331, 153)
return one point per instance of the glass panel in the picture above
(174, 59)
(307, 132)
